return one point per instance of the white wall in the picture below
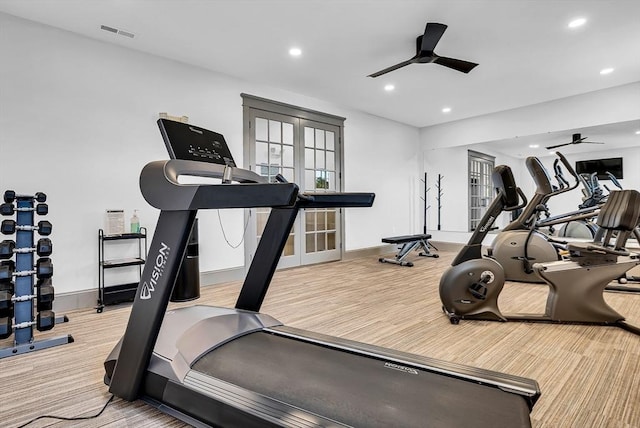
(77, 121)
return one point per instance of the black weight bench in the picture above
(407, 244)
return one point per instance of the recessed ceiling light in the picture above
(606, 70)
(389, 88)
(637, 132)
(446, 110)
(578, 22)
(534, 146)
(295, 51)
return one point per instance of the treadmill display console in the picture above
(189, 142)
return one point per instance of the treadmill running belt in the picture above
(358, 390)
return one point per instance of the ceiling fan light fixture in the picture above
(578, 22)
(608, 70)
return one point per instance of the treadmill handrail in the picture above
(161, 189)
(335, 200)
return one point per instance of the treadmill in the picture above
(213, 366)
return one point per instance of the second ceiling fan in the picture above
(425, 54)
(575, 139)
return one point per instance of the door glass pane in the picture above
(262, 154)
(331, 181)
(311, 243)
(331, 241)
(330, 161)
(289, 249)
(310, 220)
(309, 180)
(288, 174)
(330, 140)
(274, 131)
(275, 154)
(308, 158)
(321, 180)
(321, 220)
(331, 219)
(308, 137)
(262, 215)
(287, 156)
(320, 242)
(320, 159)
(287, 133)
(261, 129)
(319, 139)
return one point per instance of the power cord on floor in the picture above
(77, 418)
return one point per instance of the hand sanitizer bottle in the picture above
(135, 222)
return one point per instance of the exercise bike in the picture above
(521, 243)
(470, 288)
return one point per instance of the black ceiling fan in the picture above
(425, 45)
(576, 139)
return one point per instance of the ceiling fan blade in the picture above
(393, 67)
(557, 145)
(456, 64)
(432, 33)
(592, 142)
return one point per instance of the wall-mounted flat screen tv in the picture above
(600, 167)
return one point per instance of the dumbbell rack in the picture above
(20, 306)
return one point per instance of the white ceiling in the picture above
(526, 52)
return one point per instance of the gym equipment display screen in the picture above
(189, 142)
(600, 167)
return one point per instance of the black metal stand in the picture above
(439, 197)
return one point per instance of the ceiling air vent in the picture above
(116, 31)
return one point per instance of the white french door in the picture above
(305, 152)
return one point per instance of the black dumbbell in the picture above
(6, 209)
(44, 247)
(9, 209)
(6, 327)
(46, 320)
(45, 294)
(6, 303)
(6, 270)
(43, 270)
(9, 227)
(10, 196)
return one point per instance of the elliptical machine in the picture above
(470, 288)
(481, 278)
(520, 244)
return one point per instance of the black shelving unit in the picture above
(119, 293)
